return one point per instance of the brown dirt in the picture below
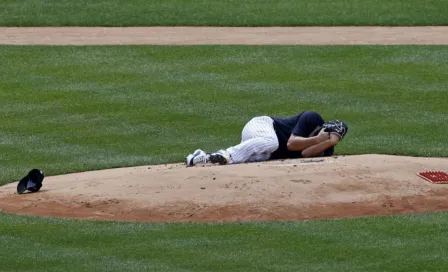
(277, 190)
(222, 35)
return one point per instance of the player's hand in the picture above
(335, 138)
(323, 135)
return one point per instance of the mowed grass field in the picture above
(68, 109)
(396, 243)
(222, 12)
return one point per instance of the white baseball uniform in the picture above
(258, 141)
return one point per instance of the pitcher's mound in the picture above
(331, 187)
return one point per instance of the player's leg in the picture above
(260, 157)
(258, 142)
(252, 150)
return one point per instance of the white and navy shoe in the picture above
(198, 157)
(222, 157)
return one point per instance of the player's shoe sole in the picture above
(221, 157)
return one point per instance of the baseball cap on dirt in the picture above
(31, 182)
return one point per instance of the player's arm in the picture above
(298, 143)
(317, 149)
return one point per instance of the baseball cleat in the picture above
(222, 157)
(197, 157)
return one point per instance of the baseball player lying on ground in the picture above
(267, 138)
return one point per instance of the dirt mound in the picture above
(333, 187)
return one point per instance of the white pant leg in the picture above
(259, 141)
(260, 157)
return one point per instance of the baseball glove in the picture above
(337, 127)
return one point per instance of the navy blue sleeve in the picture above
(308, 122)
(329, 152)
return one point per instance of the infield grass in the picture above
(70, 109)
(396, 243)
(222, 12)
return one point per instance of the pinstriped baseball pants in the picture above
(258, 141)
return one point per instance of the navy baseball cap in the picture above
(31, 182)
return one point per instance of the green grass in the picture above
(398, 243)
(69, 109)
(222, 12)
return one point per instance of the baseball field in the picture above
(110, 113)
